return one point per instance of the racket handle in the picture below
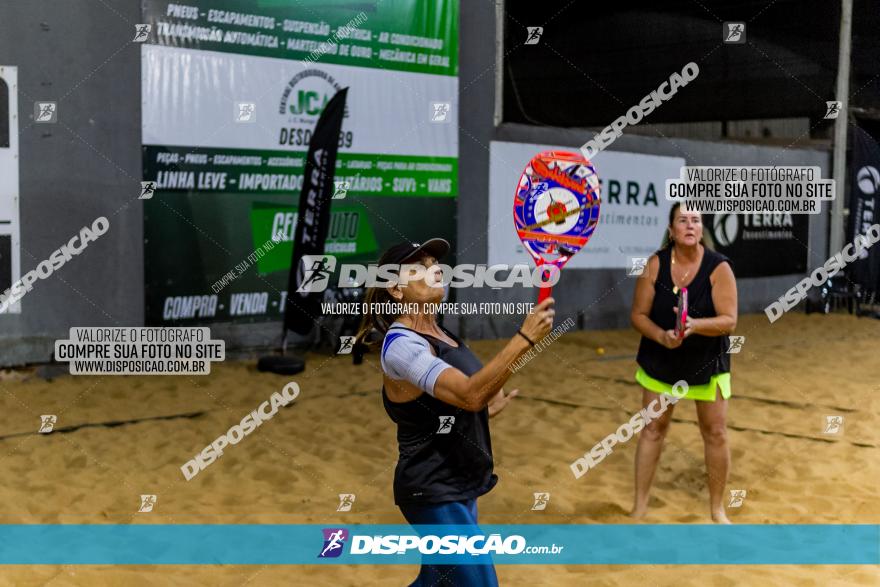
(544, 293)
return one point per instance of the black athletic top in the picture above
(699, 357)
(440, 467)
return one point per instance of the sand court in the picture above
(117, 438)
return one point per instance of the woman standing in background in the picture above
(699, 355)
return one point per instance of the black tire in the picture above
(281, 364)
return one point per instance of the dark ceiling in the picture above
(596, 60)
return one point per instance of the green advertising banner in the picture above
(231, 93)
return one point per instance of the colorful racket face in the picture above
(556, 209)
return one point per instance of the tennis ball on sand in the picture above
(600, 350)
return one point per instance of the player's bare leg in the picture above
(648, 454)
(712, 417)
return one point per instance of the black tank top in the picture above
(699, 357)
(441, 459)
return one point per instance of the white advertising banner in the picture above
(388, 112)
(633, 214)
(232, 91)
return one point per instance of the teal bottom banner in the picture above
(532, 544)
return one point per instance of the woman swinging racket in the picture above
(441, 398)
(698, 354)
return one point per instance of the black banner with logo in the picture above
(761, 245)
(302, 305)
(864, 200)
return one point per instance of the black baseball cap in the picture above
(405, 252)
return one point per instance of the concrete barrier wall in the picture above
(86, 165)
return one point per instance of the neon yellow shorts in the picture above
(704, 392)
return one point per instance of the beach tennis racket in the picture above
(556, 209)
(681, 319)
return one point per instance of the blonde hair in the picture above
(375, 322)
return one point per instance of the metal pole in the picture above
(838, 213)
(499, 62)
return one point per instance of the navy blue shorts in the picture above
(455, 512)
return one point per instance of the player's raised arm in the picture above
(474, 392)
